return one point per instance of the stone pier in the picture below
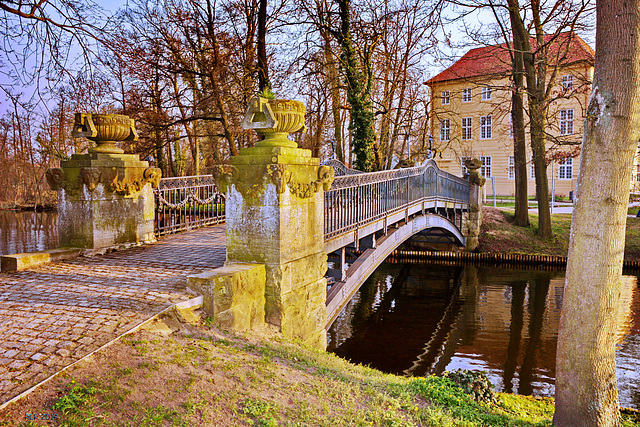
(105, 198)
(275, 217)
(471, 220)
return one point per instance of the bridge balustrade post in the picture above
(472, 219)
(105, 199)
(275, 216)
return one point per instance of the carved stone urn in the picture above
(105, 129)
(275, 119)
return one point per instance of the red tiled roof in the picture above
(566, 48)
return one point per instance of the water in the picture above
(27, 231)
(421, 319)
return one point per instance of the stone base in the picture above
(17, 262)
(233, 295)
(104, 200)
(99, 219)
(304, 314)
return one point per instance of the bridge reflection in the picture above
(422, 319)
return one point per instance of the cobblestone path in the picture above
(53, 315)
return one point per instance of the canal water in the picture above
(421, 319)
(27, 231)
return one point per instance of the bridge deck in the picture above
(53, 315)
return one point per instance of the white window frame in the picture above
(566, 121)
(445, 130)
(485, 127)
(463, 168)
(565, 169)
(485, 169)
(567, 82)
(486, 93)
(511, 172)
(467, 95)
(445, 97)
(466, 127)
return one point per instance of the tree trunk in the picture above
(521, 217)
(535, 73)
(586, 391)
(263, 69)
(358, 92)
(332, 77)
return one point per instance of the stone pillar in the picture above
(104, 197)
(275, 216)
(471, 221)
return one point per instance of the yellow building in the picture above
(470, 114)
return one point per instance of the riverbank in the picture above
(175, 373)
(499, 235)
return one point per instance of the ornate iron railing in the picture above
(187, 202)
(340, 168)
(356, 200)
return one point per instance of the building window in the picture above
(533, 169)
(567, 82)
(466, 128)
(486, 93)
(566, 122)
(445, 130)
(466, 95)
(485, 170)
(463, 168)
(565, 170)
(485, 127)
(512, 168)
(445, 97)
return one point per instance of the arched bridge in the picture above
(367, 216)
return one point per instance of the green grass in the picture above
(270, 383)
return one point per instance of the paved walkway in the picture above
(53, 315)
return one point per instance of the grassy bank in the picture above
(186, 375)
(498, 234)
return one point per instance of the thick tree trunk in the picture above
(535, 73)
(586, 391)
(519, 144)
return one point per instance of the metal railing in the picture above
(187, 202)
(356, 200)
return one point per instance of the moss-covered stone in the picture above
(233, 295)
(104, 200)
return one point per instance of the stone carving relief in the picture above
(92, 176)
(252, 184)
(302, 190)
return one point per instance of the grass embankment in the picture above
(498, 234)
(201, 376)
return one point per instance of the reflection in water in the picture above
(422, 319)
(27, 231)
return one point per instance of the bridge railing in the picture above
(187, 202)
(355, 200)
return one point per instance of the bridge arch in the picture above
(341, 293)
